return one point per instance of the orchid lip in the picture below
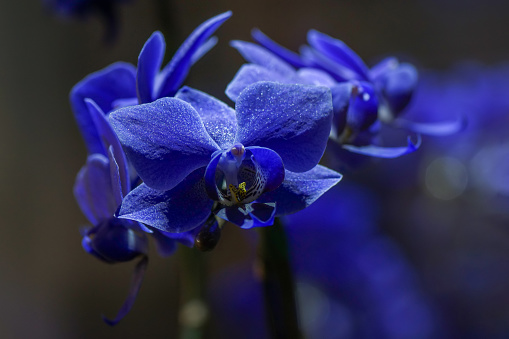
(230, 164)
(239, 180)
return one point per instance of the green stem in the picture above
(278, 284)
(194, 312)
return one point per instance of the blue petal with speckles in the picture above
(292, 120)
(299, 190)
(181, 209)
(218, 118)
(165, 140)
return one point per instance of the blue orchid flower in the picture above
(363, 98)
(100, 186)
(394, 81)
(195, 154)
(122, 84)
(480, 152)
(99, 189)
(355, 102)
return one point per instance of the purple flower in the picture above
(122, 84)
(479, 154)
(100, 187)
(107, 177)
(363, 99)
(195, 154)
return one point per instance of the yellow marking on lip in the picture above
(238, 193)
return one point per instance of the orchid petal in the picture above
(340, 102)
(299, 190)
(285, 54)
(185, 238)
(137, 279)
(210, 177)
(165, 245)
(363, 106)
(102, 125)
(258, 55)
(270, 166)
(117, 81)
(248, 74)
(338, 51)
(383, 67)
(173, 74)
(115, 241)
(293, 120)
(339, 72)
(165, 140)
(317, 77)
(149, 64)
(443, 128)
(93, 191)
(384, 152)
(398, 85)
(143, 228)
(204, 49)
(263, 214)
(110, 140)
(181, 209)
(219, 119)
(116, 182)
(249, 216)
(123, 102)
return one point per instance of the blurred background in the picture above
(443, 210)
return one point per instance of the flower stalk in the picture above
(278, 283)
(194, 311)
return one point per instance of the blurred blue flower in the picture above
(122, 84)
(463, 194)
(83, 8)
(195, 154)
(364, 99)
(476, 159)
(352, 282)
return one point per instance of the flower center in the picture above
(230, 163)
(238, 179)
(238, 193)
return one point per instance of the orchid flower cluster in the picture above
(364, 99)
(173, 163)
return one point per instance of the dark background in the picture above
(49, 287)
